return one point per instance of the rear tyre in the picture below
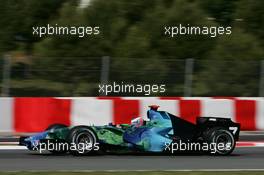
(221, 141)
(82, 140)
(54, 127)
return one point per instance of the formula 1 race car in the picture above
(162, 132)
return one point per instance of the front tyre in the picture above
(82, 140)
(221, 141)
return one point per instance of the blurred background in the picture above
(132, 47)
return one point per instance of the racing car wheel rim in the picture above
(84, 141)
(226, 138)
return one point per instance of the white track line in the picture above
(8, 143)
(5, 147)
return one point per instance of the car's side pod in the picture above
(204, 123)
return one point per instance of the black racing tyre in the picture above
(53, 127)
(82, 140)
(221, 141)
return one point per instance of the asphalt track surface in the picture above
(243, 158)
(248, 158)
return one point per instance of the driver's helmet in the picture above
(152, 112)
(137, 122)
